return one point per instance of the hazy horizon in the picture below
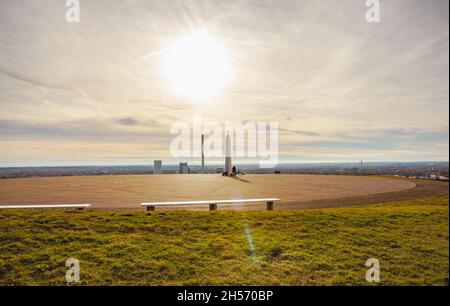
(341, 89)
(218, 164)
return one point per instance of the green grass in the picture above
(316, 247)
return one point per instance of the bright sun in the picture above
(198, 66)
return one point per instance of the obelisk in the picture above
(203, 153)
(228, 165)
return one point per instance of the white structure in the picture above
(203, 153)
(228, 165)
(157, 167)
(64, 206)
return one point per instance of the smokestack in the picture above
(228, 166)
(203, 153)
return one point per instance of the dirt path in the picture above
(126, 192)
(423, 189)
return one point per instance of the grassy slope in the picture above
(316, 247)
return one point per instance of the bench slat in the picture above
(210, 202)
(44, 206)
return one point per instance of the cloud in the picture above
(332, 81)
(128, 121)
(299, 132)
(31, 81)
(87, 129)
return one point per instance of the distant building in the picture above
(157, 167)
(184, 169)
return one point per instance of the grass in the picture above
(315, 247)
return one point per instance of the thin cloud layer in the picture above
(340, 88)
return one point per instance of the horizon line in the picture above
(219, 164)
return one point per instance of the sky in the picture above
(340, 88)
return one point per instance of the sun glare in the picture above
(198, 66)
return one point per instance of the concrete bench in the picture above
(212, 203)
(69, 206)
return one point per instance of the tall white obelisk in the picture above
(203, 153)
(228, 165)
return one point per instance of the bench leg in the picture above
(150, 208)
(212, 206)
(269, 205)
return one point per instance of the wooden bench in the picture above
(69, 206)
(212, 203)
